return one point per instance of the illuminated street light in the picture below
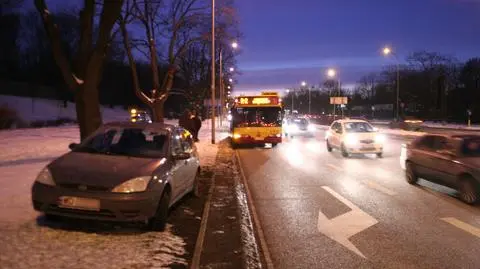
(304, 83)
(387, 51)
(234, 45)
(230, 80)
(228, 87)
(331, 73)
(232, 69)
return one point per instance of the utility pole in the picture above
(213, 107)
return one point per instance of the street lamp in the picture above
(332, 73)
(230, 80)
(304, 84)
(288, 91)
(229, 87)
(387, 51)
(232, 69)
(222, 90)
(213, 73)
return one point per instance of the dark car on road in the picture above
(449, 160)
(127, 172)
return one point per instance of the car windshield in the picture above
(471, 147)
(257, 117)
(358, 127)
(299, 122)
(132, 142)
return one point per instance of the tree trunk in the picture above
(87, 106)
(157, 110)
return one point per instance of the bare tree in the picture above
(83, 73)
(174, 21)
(367, 86)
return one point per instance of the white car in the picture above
(298, 127)
(354, 137)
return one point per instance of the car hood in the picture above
(99, 170)
(364, 136)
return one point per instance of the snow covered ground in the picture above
(27, 242)
(35, 109)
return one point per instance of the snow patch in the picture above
(250, 248)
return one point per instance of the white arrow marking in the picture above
(342, 227)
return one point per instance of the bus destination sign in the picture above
(258, 100)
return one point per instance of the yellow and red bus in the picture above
(257, 120)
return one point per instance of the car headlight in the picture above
(350, 140)
(45, 177)
(293, 128)
(137, 184)
(379, 139)
(237, 136)
(311, 127)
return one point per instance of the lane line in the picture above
(378, 187)
(197, 253)
(463, 226)
(261, 235)
(334, 167)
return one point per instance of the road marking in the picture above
(378, 187)
(258, 226)
(342, 227)
(334, 167)
(197, 253)
(464, 226)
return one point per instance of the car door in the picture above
(191, 164)
(337, 134)
(443, 165)
(420, 156)
(178, 166)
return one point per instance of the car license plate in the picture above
(79, 203)
(368, 148)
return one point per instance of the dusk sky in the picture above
(288, 41)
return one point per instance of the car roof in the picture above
(350, 120)
(128, 124)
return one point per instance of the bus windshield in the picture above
(256, 117)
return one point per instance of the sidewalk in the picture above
(226, 238)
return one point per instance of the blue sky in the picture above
(288, 41)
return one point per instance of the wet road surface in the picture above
(320, 210)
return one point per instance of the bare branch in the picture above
(136, 85)
(55, 40)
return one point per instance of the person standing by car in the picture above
(184, 120)
(197, 124)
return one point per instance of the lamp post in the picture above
(288, 91)
(332, 73)
(213, 74)
(222, 87)
(387, 51)
(304, 84)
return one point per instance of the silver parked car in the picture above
(132, 172)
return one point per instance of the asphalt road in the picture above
(320, 210)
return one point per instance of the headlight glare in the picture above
(379, 139)
(45, 177)
(137, 184)
(351, 140)
(293, 128)
(311, 127)
(237, 136)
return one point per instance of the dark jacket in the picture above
(197, 123)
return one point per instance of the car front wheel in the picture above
(195, 188)
(344, 151)
(329, 147)
(410, 174)
(159, 221)
(469, 190)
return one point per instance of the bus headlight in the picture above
(351, 140)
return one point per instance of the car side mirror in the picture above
(72, 146)
(182, 156)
